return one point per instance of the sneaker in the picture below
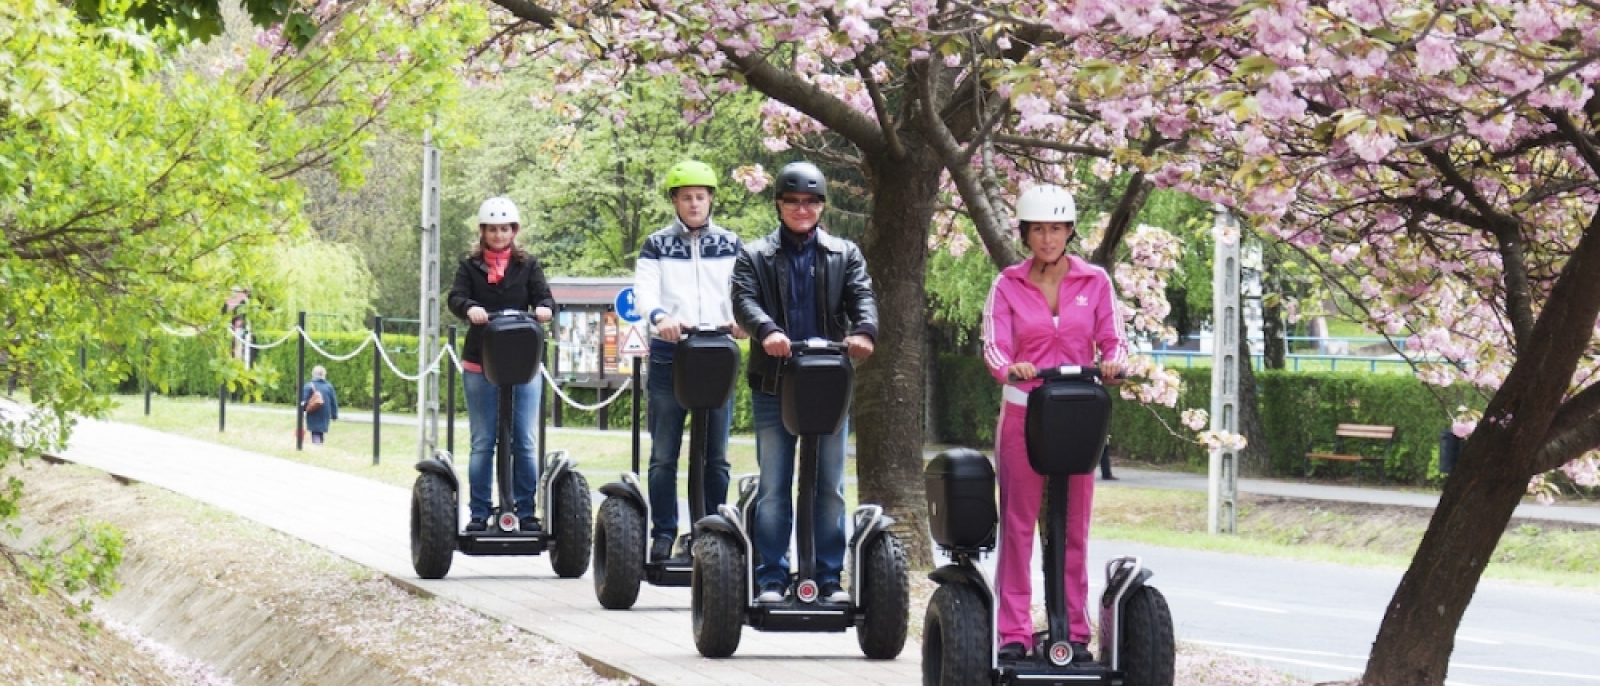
(834, 593)
(478, 524)
(661, 548)
(1080, 653)
(771, 593)
(1013, 652)
(530, 524)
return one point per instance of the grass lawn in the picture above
(1345, 533)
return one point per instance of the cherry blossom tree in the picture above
(928, 99)
(1439, 161)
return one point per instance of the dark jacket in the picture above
(318, 422)
(522, 288)
(761, 285)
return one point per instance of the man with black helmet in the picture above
(681, 279)
(799, 282)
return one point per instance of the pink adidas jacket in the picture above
(1017, 326)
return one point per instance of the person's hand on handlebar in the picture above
(477, 315)
(669, 328)
(776, 344)
(1021, 371)
(542, 314)
(860, 346)
(1111, 372)
(736, 330)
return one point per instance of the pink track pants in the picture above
(1021, 492)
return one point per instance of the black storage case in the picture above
(512, 348)
(1067, 423)
(815, 391)
(959, 484)
(704, 370)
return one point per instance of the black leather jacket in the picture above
(761, 286)
(523, 288)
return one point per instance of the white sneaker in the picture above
(770, 596)
(838, 596)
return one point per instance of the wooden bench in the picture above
(1370, 437)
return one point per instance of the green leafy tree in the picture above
(135, 189)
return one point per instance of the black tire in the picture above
(885, 599)
(1148, 655)
(956, 638)
(574, 526)
(618, 553)
(718, 594)
(434, 514)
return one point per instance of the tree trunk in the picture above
(1255, 459)
(889, 389)
(1273, 351)
(1418, 632)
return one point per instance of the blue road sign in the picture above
(624, 306)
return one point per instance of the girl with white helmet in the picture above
(499, 275)
(1049, 310)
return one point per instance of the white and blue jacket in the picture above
(685, 276)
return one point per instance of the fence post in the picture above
(377, 384)
(450, 399)
(299, 383)
(146, 377)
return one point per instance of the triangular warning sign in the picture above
(633, 343)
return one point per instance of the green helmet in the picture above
(690, 173)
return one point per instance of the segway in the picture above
(816, 389)
(705, 366)
(513, 344)
(1067, 421)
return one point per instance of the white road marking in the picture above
(1480, 641)
(1256, 608)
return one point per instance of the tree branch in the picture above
(1031, 142)
(791, 90)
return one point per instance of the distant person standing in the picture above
(682, 279)
(320, 403)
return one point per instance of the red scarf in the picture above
(497, 261)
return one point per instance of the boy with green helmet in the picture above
(682, 278)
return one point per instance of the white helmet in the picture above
(1047, 204)
(498, 210)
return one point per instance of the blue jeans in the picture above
(775, 452)
(666, 422)
(483, 405)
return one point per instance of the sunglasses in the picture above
(794, 203)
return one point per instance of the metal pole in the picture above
(1222, 491)
(146, 377)
(450, 398)
(635, 398)
(428, 312)
(300, 383)
(222, 407)
(377, 384)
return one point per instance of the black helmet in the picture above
(801, 177)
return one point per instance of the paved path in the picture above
(366, 521)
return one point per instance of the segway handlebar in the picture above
(1067, 371)
(705, 330)
(820, 344)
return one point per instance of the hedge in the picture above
(1295, 407)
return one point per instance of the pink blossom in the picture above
(1371, 146)
(753, 176)
(1435, 55)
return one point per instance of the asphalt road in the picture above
(1317, 621)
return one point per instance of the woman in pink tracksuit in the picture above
(1050, 310)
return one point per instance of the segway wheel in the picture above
(885, 599)
(1148, 657)
(618, 553)
(717, 600)
(956, 638)
(574, 528)
(433, 525)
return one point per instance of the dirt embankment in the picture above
(240, 603)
